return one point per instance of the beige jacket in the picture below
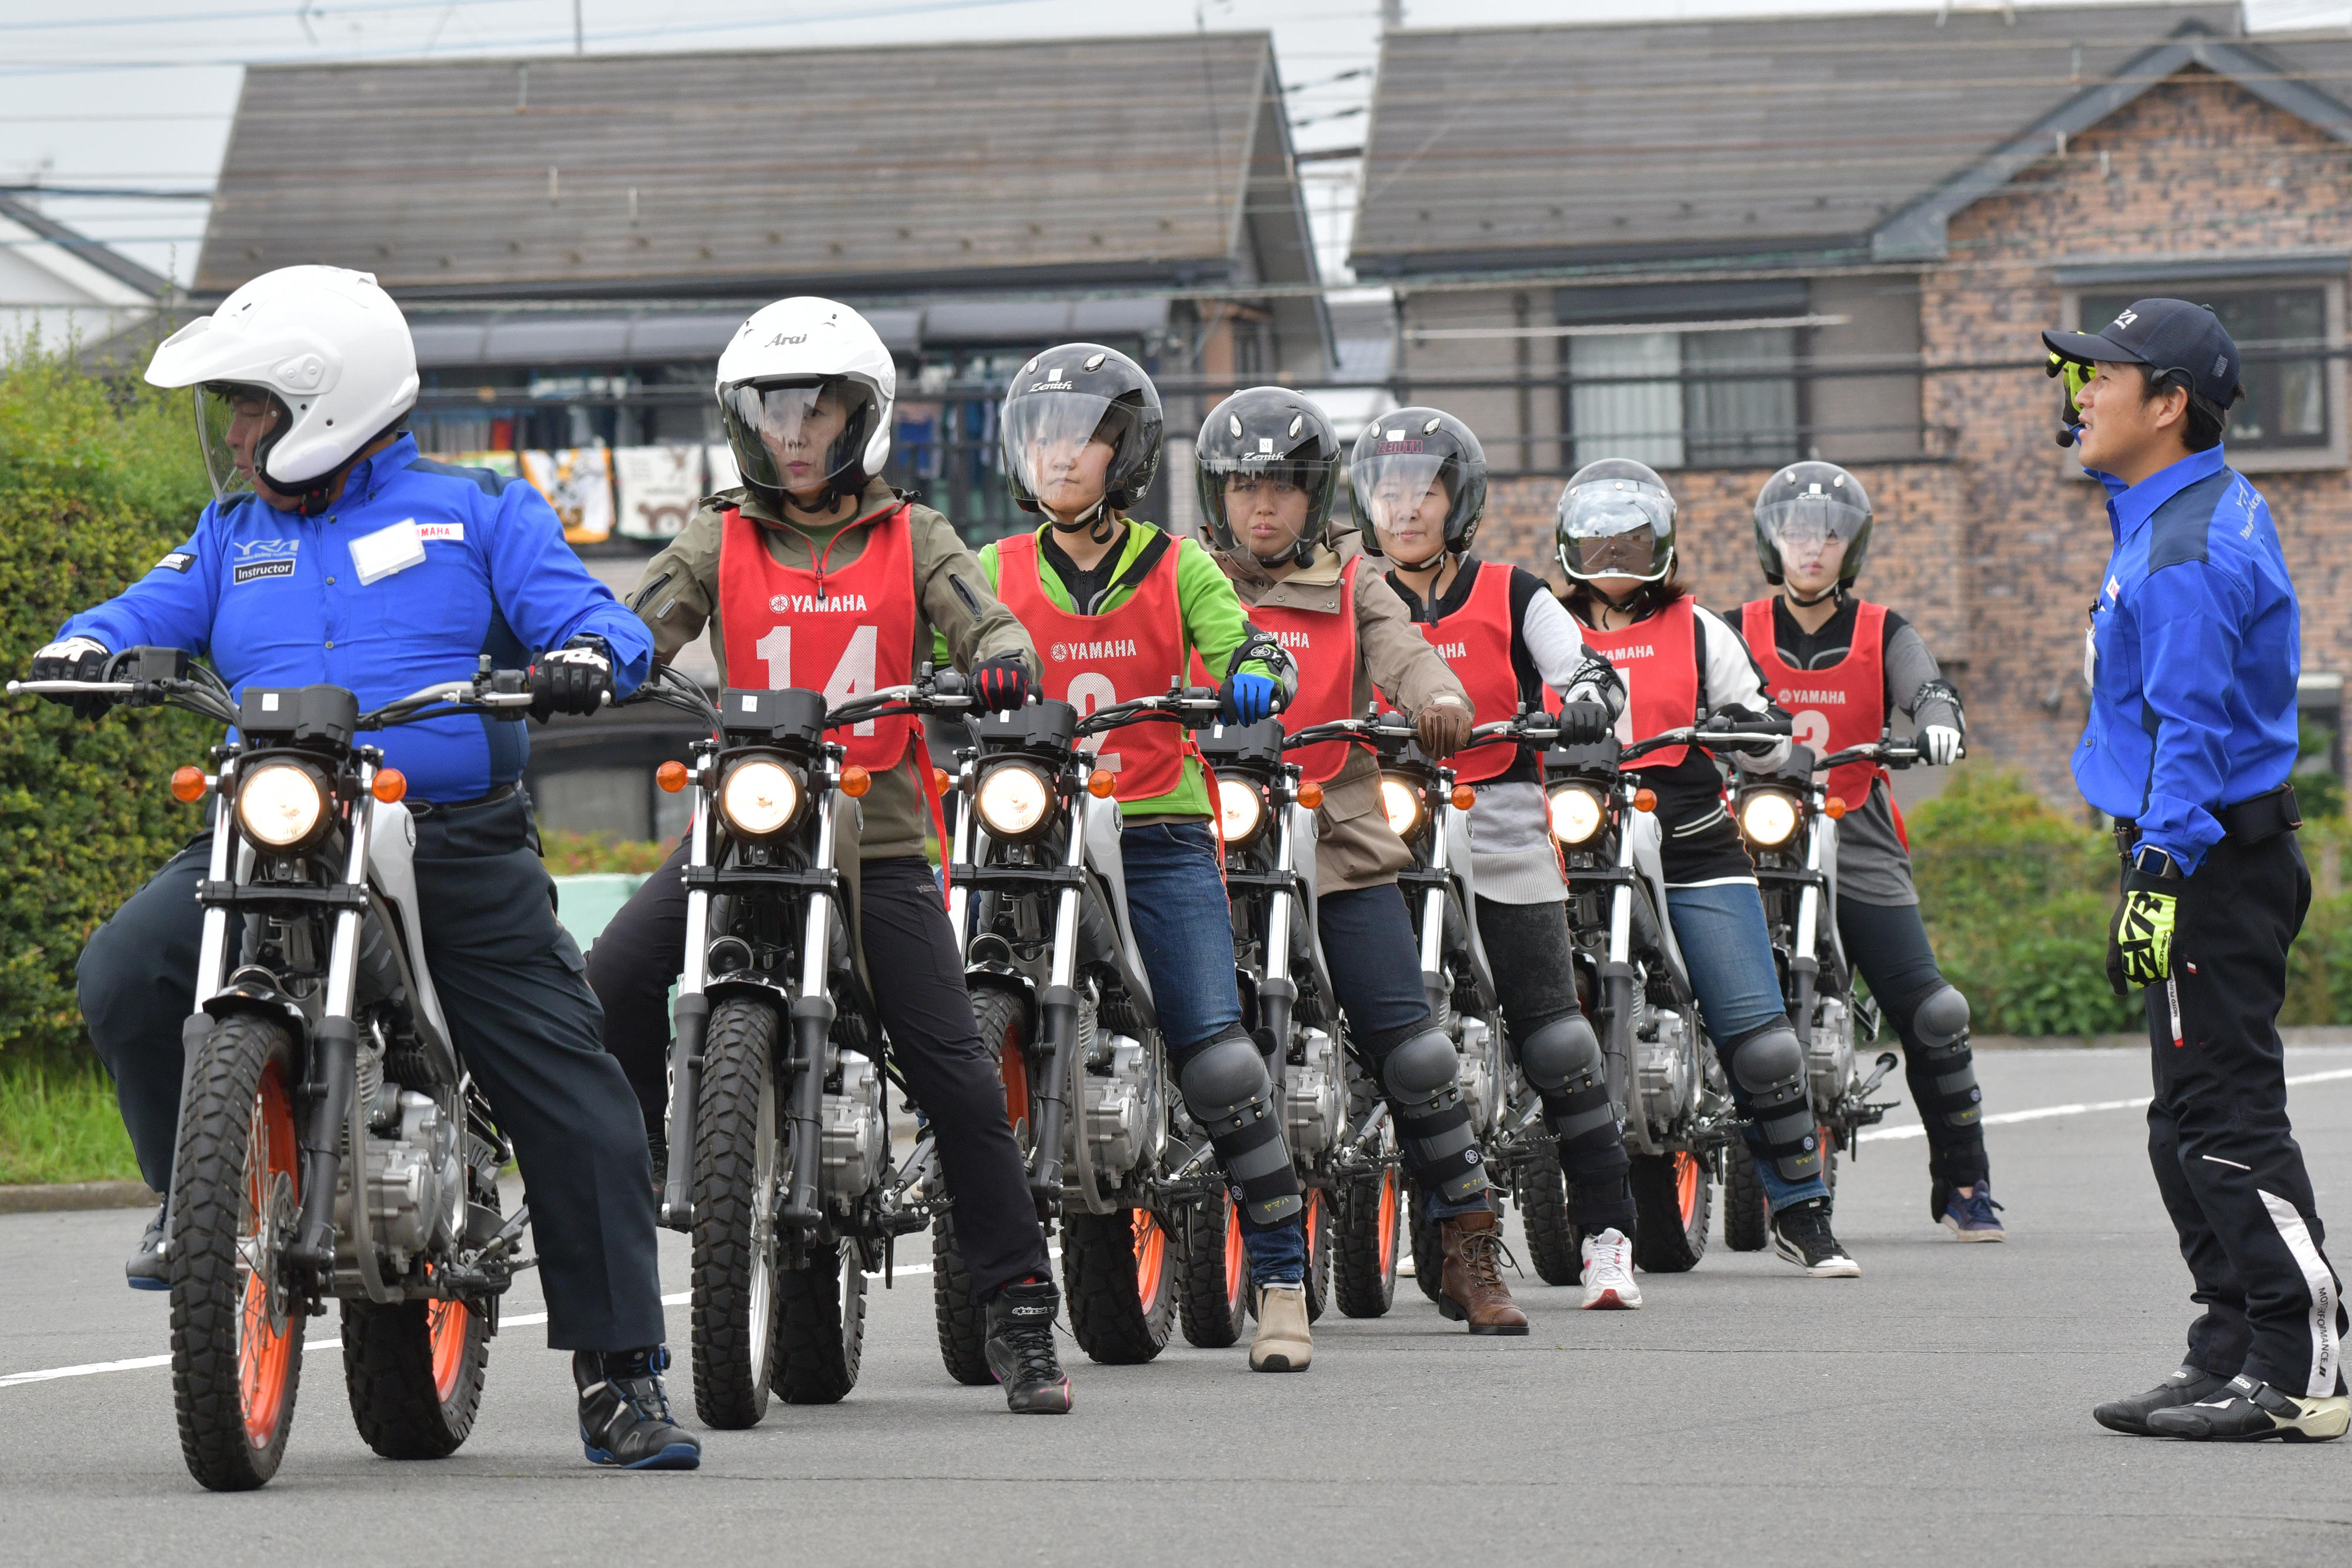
(677, 596)
(1354, 848)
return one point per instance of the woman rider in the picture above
(1421, 476)
(1118, 608)
(1683, 666)
(1268, 465)
(1841, 665)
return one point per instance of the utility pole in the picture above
(579, 40)
(1391, 14)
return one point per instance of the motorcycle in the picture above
(780, 1166)
(1669, 1088)
(1790, 823)
(1037, 897)
(330, 1142)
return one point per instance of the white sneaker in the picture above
(1609, 1272)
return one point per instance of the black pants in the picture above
(1528, 947)
(1887, 944)
(511, 987)
(918, 975)
(2225, 1160)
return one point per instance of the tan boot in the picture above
(1472, 1289)
(1283, 1342)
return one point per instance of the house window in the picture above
(1723, 397)
(2282, 333)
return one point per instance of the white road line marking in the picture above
(2042, 1113)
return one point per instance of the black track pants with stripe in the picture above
(2225, 1159)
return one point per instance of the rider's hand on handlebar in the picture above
(1000, 685)
(574, 678)
(1442, 729)
(74, 659)
(1248, 697)
(1583, 724)
(1939, 745)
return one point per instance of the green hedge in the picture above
(97, 482)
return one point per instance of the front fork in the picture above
(1433, 920)
(812, 1015)
(334, 1077)
(1617, 999)
(1277, 992)
(692, 1016)
(1804, 960)
(1058, 1011)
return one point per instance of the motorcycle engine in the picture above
(852, 1140)
(1829, 1060)
(1116, 1087)
(415, 1180)
(1667, 1064)
(1482, 1085)
(1312, 1117)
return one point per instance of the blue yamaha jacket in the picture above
(274, 598)
(2197, 646)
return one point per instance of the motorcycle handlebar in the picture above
(920, 697)
(1189, 703)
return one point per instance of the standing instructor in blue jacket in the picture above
(2192, 655)
(333, 554)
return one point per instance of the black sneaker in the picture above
(1020, 1349)
(147, 1268)
(625, 1419)
(2248, 1410)
(1800, 1233)
(2184, 1385)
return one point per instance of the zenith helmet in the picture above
(1616, 519)
(1072, 393)
(320, 354)
(1809, 503)
(1274, 434)
(1397, 460)
(784, 361)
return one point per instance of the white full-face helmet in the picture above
(790, 372)
(319, 355)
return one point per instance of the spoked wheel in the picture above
(820, 1325)
(414, 1371)
(737, 1153)
(1120, 1278)
(1543, 1214)
(236, 1319)
(1745, 1215)
(1318, 1221)
(962, 1321)
(1672, 1202)
(1364, 1251)
(1211, 1275)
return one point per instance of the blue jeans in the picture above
(1729, 954)
(1184, 925)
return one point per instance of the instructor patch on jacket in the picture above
(283, 567)
(179, 560)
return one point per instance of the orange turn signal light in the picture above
(1100, 783)
(1836, 807)
(1310, 795)
(671, 775)
(1464, 797)
(188, 785)
(1645, 799)
(390, 786)
(940, 781)
(855, 781)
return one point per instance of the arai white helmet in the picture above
(770, 379)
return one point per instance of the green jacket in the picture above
(1215, 625)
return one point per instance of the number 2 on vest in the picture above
(1088, 691)
(854, 676)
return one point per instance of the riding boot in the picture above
(1472, 1289)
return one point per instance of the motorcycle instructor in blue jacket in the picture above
(334, 554)
(2192, 658)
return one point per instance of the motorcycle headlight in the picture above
(1013, 799)
(1768, 818)
(1400, 798)
(759, 797)
(281, 805)
(1576, 814)
(1240, 811)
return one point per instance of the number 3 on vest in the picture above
(853, 677)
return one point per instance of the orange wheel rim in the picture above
(1234, 1256)
(446, 1323)
(1151, 1257)
(265, 1350)
(1388, 1219)
(1015, 1068)
(1687, 1176)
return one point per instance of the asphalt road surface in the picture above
(1936, 1410)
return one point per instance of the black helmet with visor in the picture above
(1067, 396)
(1266, 438)
(1616, 519)
(1407, 458)
(1804, 509)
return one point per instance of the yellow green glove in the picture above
(2140, 937)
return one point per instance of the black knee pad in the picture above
(1226, 1089)
(1769, 1067)
(1422, 1077)
(1561, 1056)
(1941, 1025)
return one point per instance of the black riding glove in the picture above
(1002, 684)
(574, 678)
(74, 659)
(1583, 724)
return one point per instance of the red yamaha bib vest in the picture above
(1094, 661)
(1658, 661)
(1323, 646)
(1475, 644)
(1842, 705)
(845, 632)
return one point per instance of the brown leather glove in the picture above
(1442, 729)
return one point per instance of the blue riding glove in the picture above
(1249, 697)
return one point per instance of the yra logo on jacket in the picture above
(258, 559)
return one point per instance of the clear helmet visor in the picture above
(236, 427)
(1061, 445)
(1264, 505)
(797, 436)
(1812, 532)
(1609, 528)
(1403, 496)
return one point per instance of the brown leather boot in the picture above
(1471, 1289)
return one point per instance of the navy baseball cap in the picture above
(2163, 335)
